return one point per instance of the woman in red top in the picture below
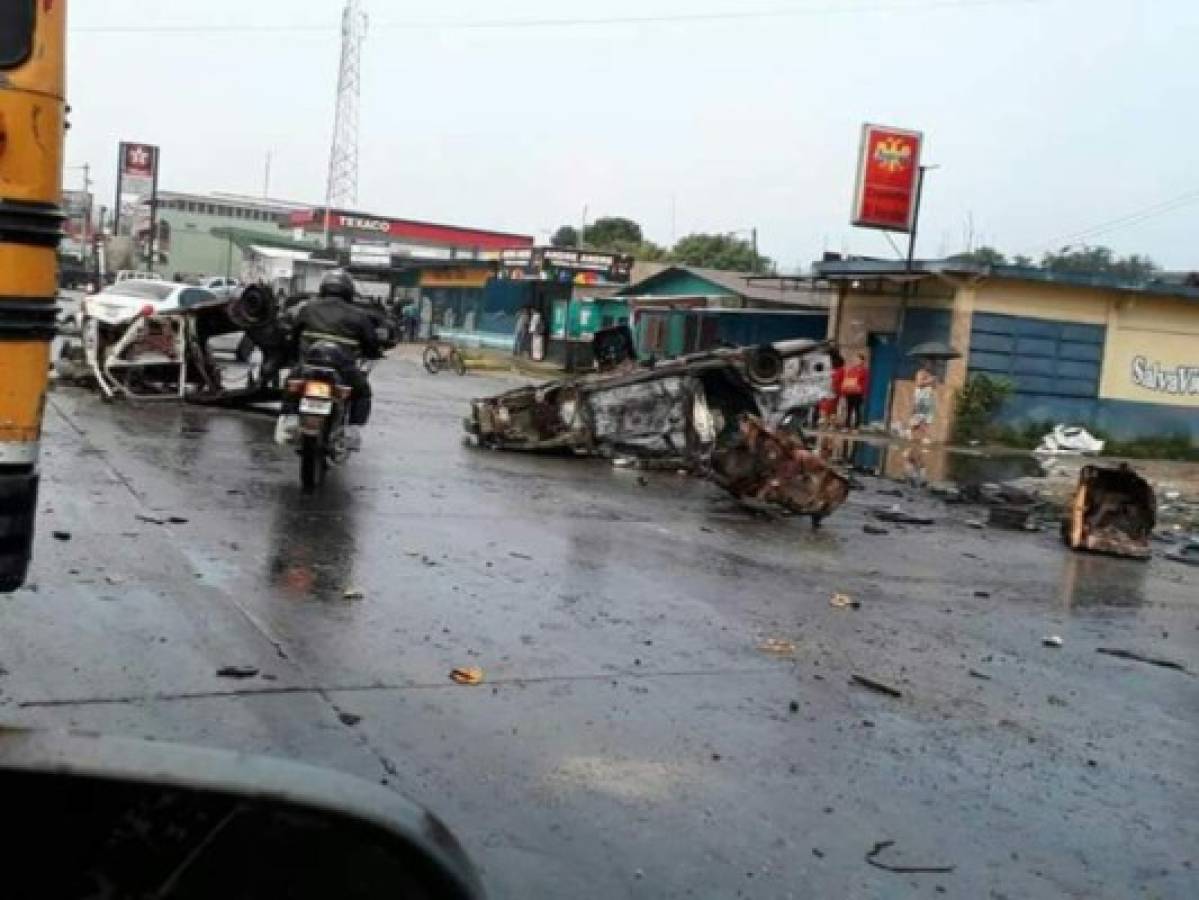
(828, 406)
(855, 385)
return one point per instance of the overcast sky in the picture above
(1047, 117)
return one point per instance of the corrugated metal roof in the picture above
(847, 269)
(772, 290)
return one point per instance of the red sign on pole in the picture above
(888, 172)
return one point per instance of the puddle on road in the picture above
(961, 466)
(1092, 582)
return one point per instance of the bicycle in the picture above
(441, 355)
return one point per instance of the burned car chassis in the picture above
(717, 413)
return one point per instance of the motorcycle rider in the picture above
(334, 318)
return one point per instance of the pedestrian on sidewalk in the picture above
(536, 336)
(828, 406)
(855, 385)
(520, 335)
(924, 411)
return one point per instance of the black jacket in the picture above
(334, 316)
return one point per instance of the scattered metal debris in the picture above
(899, 517)
(1052, 640)
(974, 673)
(877, 686)
(353, 594)
(349, 718)
(1112, 511)
(1139, 657)
(872, 858)
(61, 535)
(874, 529)
(467, 675)
(1186, 553)
(236, 672)
(844, 601)
(1017, 517)
(777, 646)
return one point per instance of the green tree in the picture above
(1099, 261)
(612, 231)
(976, 405)
(1024, 262)
(719, 251)
(565, 237)
(982, 256)
(611, 234)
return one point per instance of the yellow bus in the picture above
(32, 111)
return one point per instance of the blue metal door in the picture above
(884, 354)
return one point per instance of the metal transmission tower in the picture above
(342, 188)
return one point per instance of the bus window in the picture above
(16, 31)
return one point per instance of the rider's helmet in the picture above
(338, 283)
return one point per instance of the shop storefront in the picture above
(1119, 358)
(564, 289)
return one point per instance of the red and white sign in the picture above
(138, 160)
(406, 230)
(137, 181)
(888, 177)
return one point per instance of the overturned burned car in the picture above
(726, 414)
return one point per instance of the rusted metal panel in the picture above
(775, 467)
(1113, 511)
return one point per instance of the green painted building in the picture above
(197, 233)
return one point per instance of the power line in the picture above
(573, 22)
(1127, 220)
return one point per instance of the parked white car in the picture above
(222, 287)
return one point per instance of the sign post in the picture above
(890, 186)
(137, 184)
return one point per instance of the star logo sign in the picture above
(893, 154)
(139, 157)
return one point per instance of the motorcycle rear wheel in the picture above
(312, 462)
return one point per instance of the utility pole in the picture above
(266, 177)
(153, 214)
(906, 289)
(583, 228)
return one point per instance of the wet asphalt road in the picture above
(632, 739)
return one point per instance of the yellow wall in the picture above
(1044, 301)
(1152, 352)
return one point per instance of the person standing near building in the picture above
(924, 411)
(828, 406)
(521, 333)
(536, 336)
(855, 385)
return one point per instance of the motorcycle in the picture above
(316, 411)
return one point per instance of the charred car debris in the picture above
(730, 415)
(1113, 511)
(145, 339)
